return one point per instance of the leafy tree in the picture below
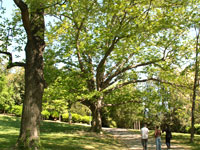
(116, 43)
(64, 92)
(16, 79)
(6, 95)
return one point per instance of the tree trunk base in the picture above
(26, 144)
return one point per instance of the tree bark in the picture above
(34, 79)
(32, 106)
(96, 116)
(195, 86)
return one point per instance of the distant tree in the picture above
(6, 94)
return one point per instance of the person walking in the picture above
(144, 136)
(168, 137)
(158, 138)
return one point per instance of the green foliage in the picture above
(6, 94)
(17, 81)
(76, 118)
(80, 109)
(65, 117)
(54, 114)
(16, 110)
(111, 123)
(196, 128)
(45, 114)
(85, 119)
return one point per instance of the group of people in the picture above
(157, 134)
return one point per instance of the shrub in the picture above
(197, 128)
(111, 123)
(17, 110)
(45, 114)
(76, 118)
(65, 117)
(187, 129)
(85, 119)
(55, 114)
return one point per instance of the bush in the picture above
(65, 117)
(85, 119)
(45, 114)
(188, 129)
(197, 128)
(55, 114)
(17, 110)
(76, 118)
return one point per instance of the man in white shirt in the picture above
(144, 136)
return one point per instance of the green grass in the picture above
(57, 136)
(62, 136)
(183, 139)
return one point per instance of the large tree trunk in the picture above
(95, 107)
(32, 106)
(96, 117)
(34, 80)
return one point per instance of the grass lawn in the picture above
(57, 136)
(183, 139)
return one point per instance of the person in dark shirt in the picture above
(168, 137)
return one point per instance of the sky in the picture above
(10, 6)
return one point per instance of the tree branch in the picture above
(10, 63)
(142, 80)
(122, 103)
(25, 16)
(100, 70)
(120, 71)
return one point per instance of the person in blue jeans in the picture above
(158, 138)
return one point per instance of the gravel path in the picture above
(133, 141)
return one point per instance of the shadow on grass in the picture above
(78, 141)
(7, 141)
(184, 139)
(9, 121)
(55, 127)
(57, 136)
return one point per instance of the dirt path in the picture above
(133, 140)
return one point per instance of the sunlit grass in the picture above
(62, 136)
(57, 136)
(184, 139)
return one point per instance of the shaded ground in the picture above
(133, 140)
